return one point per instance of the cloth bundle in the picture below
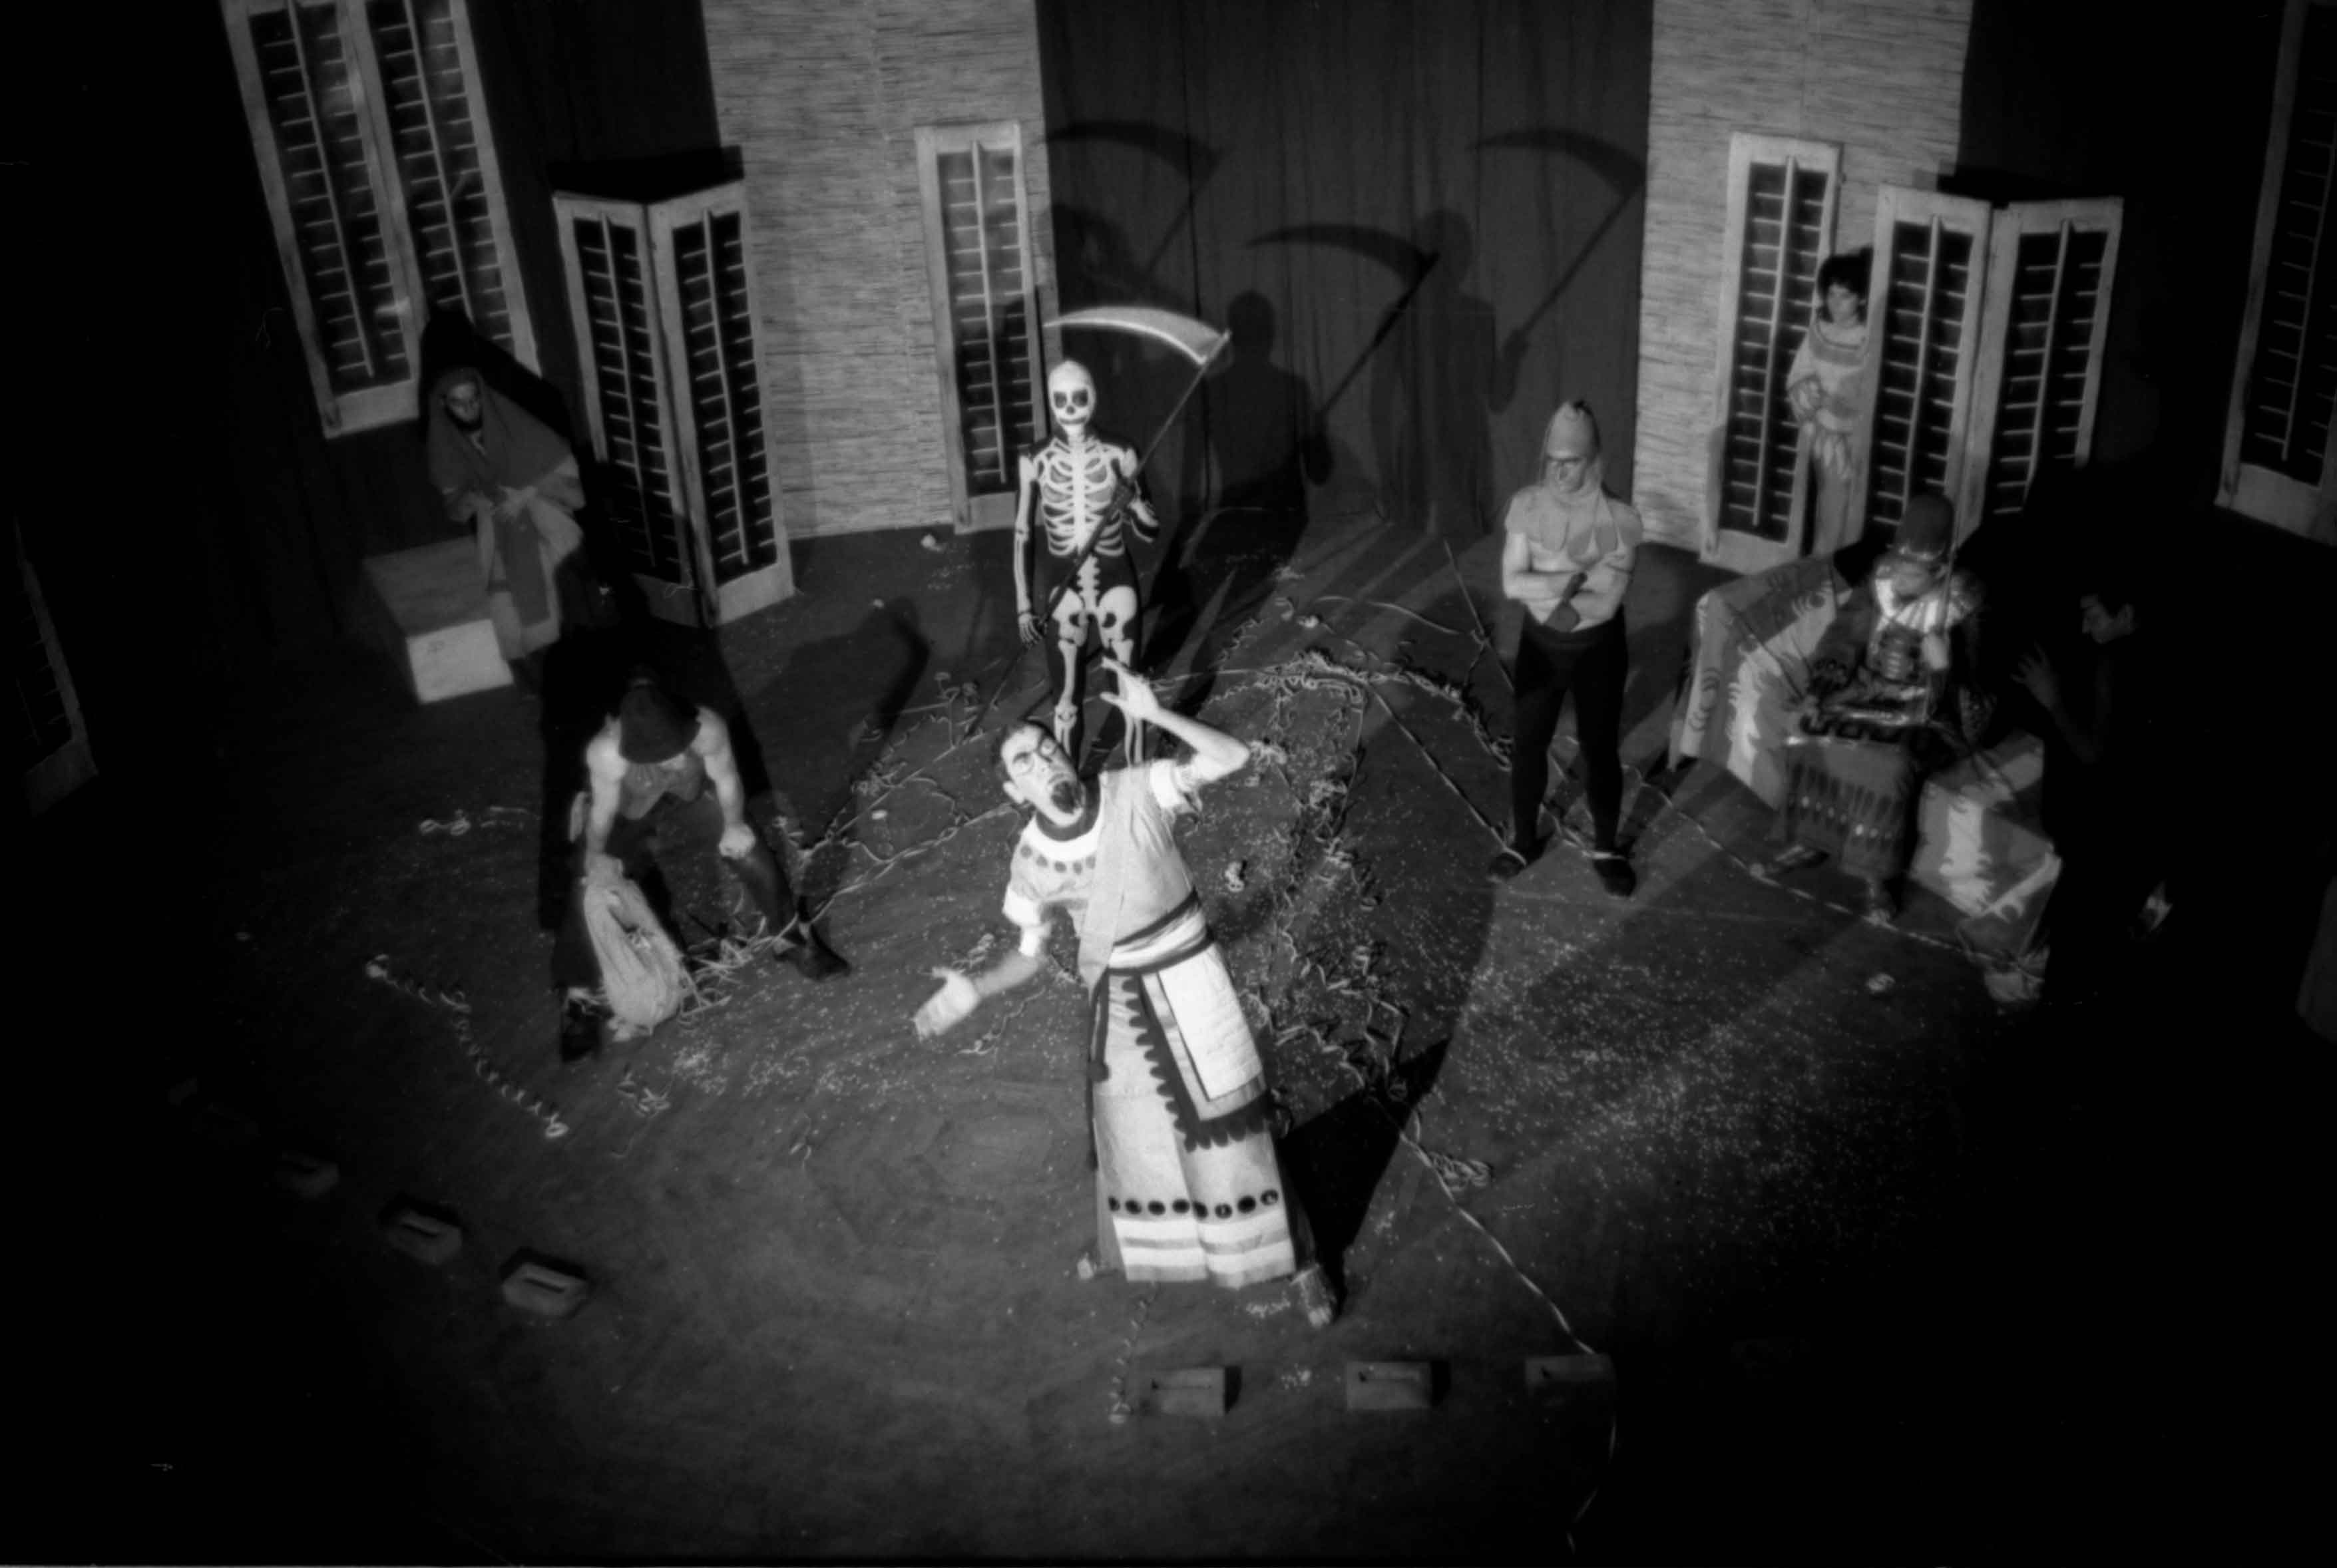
(641, 968)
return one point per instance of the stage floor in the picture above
(1874, 1258)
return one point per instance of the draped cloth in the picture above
(513, 454)
(1188, 1184)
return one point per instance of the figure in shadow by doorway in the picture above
(1269, 446)
(1436, 384)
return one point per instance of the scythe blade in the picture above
(1195, 340)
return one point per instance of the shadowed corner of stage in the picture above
(1336, 1160)
(842, 696)
(1265, 437)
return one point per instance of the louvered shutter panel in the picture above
(52, 754)
(2279, 463)
(424, 70)
(707, 296)
(2051, 266)
(613, 305)
(985, 311)
(344, 256)
(1782, 196)
(1923, 340)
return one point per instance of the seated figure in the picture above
(1889, 699)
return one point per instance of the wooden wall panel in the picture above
(821, 97)
(1884, 78)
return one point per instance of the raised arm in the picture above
(959, 993)
(1216, 754)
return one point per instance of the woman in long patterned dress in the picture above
(1828, 389)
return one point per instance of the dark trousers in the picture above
(633, 844)
(1591, 665)
(2111, 859)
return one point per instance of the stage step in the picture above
(545, 1287)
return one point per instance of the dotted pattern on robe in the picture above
(1155, 1208)
(1048, 880)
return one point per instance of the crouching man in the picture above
(1188, 1186)
(648, 766)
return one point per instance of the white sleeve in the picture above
(1172, 784)
(1022, 909)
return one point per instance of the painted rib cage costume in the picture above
(1087, 497)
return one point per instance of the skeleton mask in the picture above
(1071, 392)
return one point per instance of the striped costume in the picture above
(1187, 1186)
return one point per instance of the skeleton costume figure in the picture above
(1082, 492)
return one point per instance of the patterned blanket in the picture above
(1754, 638)
(1978, 842)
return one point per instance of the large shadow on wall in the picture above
(1099, 262)
(843, 697)
(1268, 446)
(1437, 380)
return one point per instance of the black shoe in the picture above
(581, 1033)
(1513, 859)
(811, 957)
(1615, 873)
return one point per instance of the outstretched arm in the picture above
(1216, 754)
(960, 993)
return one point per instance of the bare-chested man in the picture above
(649, 766)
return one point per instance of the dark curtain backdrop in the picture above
(1423, 221)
